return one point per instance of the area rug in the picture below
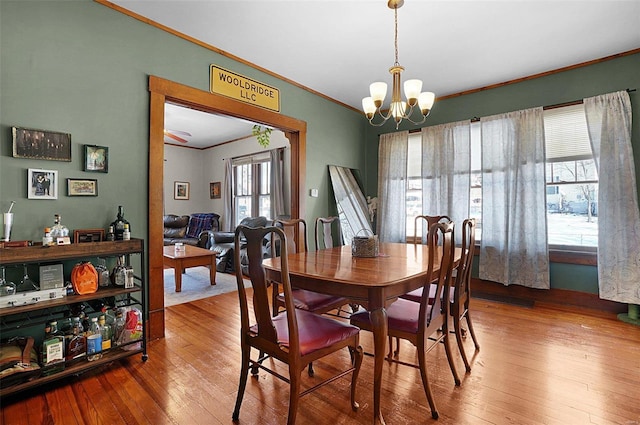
(196, 285)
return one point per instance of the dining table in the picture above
(372, 282)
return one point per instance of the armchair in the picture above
(223, 244)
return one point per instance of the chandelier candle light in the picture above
(398, 109)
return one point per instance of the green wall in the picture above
(610, 76)
(83, 68)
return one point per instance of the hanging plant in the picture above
(261, 135)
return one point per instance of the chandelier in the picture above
(399, 109)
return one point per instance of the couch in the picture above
(189, 229)
(223, 243)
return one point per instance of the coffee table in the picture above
(192, 256)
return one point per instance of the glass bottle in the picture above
(94, 341)
(118, 224)
(58, 230)
(106, 332)
(118, 327)
(104, 279)
(76, 342)
(111, 236)
(119, 273)
(47, 240)
(53, 348)
(126, 235)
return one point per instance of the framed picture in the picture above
(181, 190)
(82, 187)
(214, 190)
(96, 159)
(88, 235)
(42, 184)
(41, 144)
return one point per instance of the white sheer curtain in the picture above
(446, 170)
(514, 227)
(609, 123)
(227, 193)
(277, 183)
(392, 182)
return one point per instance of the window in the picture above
(414, 182)
(571, 179)
(252, 188)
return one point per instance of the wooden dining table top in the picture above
(399, 268)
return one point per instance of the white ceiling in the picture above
(338, 48)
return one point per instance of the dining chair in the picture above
(315, 302)
(323, 236)
(460, 291)
(423, 222)
(323, 231)
(423, 324)
(295, 337)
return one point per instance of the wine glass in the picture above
(6, 288)
(27, 282)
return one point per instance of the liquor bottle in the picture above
(75, 341)
(58, 230)
(119, 273)
(47, 240)
(104, 279)
(126, 235)
(111, 236)
(118, 327)
(118, 224)
(53, 349)
(94, 341)
(106, 332)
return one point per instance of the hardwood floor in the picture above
(540, 365)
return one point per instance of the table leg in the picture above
(178, 276)
(212, 270)
(378, 319)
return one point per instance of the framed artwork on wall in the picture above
(214, 190)
(42, 184)
(96, 159)
(41, 144)
(181, 190)
(82, 187)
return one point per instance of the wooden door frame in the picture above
(162, 91)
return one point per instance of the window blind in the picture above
(566, 135)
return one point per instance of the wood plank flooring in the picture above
(540, 365)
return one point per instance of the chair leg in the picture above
(310, 371)
(447, 349)
(458, 332)
(244, 373)
(294, 395)
(473, 334)
(255, 369)
(356, 360)
(425, 380)
(393, 353)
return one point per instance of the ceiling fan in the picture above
(173, 134)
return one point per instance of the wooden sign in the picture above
(236, 86)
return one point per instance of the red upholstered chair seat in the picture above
(315, 331)
(314, 301)
(417, 294)
(402, 315)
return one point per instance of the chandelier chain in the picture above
(395, 9)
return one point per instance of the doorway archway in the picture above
(164, 90)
